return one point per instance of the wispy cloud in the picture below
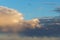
(49, 3)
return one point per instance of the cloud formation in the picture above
(11, 19)
(9, 16)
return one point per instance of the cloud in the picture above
(57, 9)
(49, 3)
(9, 16)
(11, 19)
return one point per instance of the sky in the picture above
(33, 8)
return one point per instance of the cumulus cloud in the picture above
(14, 20)
(9, 16)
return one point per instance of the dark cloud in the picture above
(57, 9)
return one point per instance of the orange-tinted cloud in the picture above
(14, 20)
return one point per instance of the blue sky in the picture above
(33, 8)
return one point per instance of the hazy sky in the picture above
(33, 8)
